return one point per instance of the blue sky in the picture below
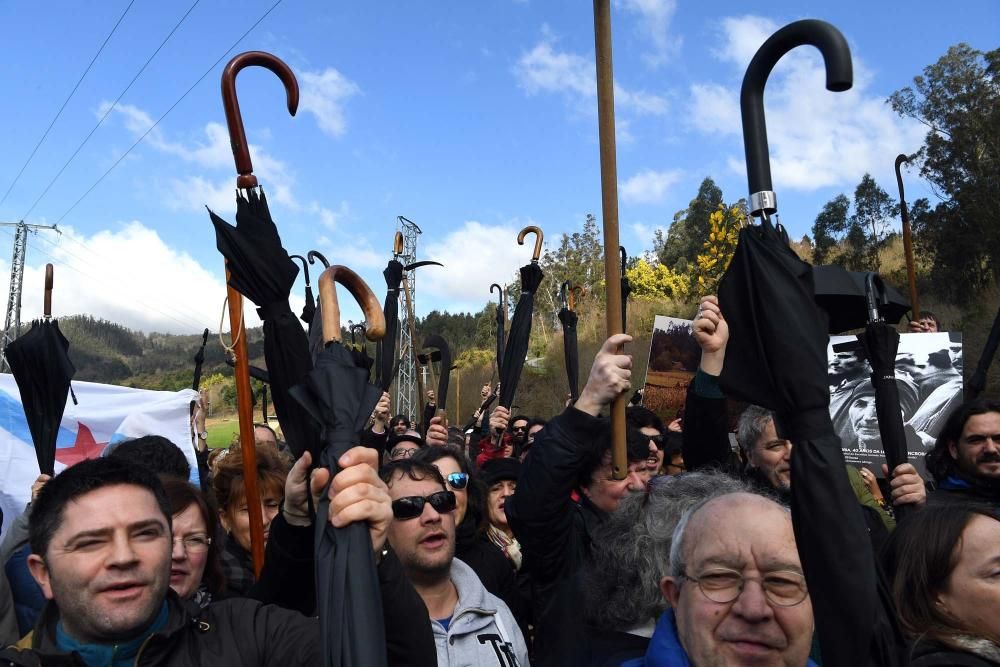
(471, 118)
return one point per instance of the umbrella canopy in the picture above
(520, 325)
(776, 357)
(842, 295)
(501, 325)
(308, 310)
(199, 361)
(39, 362)
(262, 271)
(338, 395)
(571, 353)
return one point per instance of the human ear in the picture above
(670, 590)
(40, 571)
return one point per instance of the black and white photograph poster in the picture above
(929, 379)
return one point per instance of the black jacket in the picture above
(239, 632)
(958, 488)
(555, 531)
(930, 653)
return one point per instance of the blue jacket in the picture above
(665, 648)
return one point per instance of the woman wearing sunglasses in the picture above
(471, 545)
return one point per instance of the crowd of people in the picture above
(511, 543)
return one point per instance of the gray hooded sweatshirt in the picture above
(482, 632)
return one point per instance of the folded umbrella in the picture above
(39, 362)
(776, 357)
(571, 354)
(385, 349)
(520, 326)
(199, 360)
(842, 295)
(338, 395)
(262, 271)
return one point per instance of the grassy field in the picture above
(221, 432)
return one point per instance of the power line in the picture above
(166, 113)
(66, 101)
(110, 109)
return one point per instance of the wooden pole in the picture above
(609, 207)
(911, 273)
(244, 408)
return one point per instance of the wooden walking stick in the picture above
(911, 271)
(609, 208)
(246, 180)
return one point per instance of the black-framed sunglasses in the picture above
(457, 480)
(411, 507)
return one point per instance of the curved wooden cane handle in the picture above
(370, 306)
(397, 244)
(577, 291)
(539, 236)
(234, 120)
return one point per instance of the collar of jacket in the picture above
(43, 637)
(959, 482)
(475, 608)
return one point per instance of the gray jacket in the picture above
(482, 631)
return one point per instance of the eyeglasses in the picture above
(515, 429)
(196, 543)
(411, 507)
(403, 452)
(783, 588)
(457, 480)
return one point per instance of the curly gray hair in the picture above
(630, 552)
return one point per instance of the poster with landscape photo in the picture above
(673, 359)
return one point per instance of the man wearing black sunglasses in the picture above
(470, 625)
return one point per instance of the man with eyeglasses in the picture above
(470, 625)
(405, 445)
(736, 589)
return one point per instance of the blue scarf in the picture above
(110, 655)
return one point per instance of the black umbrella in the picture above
(199, 360)
(308, 310)
(842, 295)
(501, 326)
(316, 255)
(626, 286)
(777, 357)
(338, 395)
(39, 362)
(261, 270)
(567, 315)
(385, 349)
(881, 342)
(520, 325)
(256, 372)
(442, 355)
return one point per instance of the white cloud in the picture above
(648, 186)
(475, 256)
(654, 18)
(644, 233)
(213, 152)
(330, 218)
(130, 276)
(544, 69)
(323, 95)
(816, 138)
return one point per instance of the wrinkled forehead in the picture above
(741, 531)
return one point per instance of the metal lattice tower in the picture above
(12, 322)
(406, 399)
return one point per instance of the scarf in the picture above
(510, 547)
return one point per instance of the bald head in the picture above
(746, 538)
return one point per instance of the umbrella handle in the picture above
(370, 306)
(305, 266)
(313, 255)
(397, 244)
(47, 311)
(839, 77)
(234, 120)
(539, 237)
